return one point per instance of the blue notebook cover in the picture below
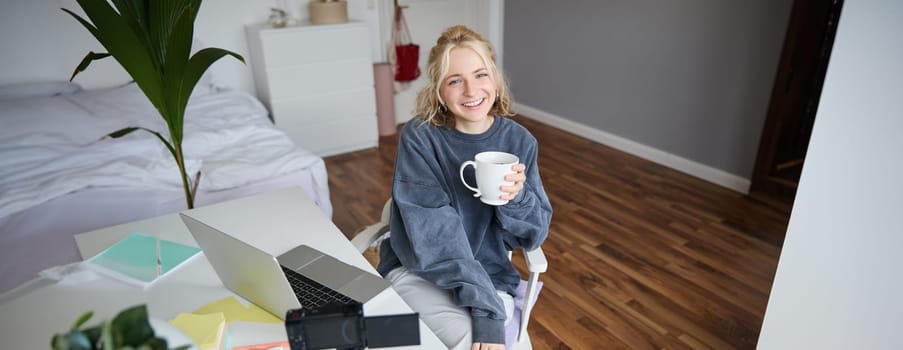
(134, 258)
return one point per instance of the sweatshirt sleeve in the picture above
(429, 239)
(526, 219)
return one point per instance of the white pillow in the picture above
(38, 89)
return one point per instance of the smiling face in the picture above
(468, 90)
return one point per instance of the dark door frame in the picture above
(794, 100)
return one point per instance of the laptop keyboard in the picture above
(312, 294)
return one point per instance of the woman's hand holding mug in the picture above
(518, 177)
(499, 177)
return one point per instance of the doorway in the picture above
(794, 100)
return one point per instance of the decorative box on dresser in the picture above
(317, 81)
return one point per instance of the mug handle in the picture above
(464, 165)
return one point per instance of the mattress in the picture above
(59, 176)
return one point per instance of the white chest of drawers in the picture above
(317, 81)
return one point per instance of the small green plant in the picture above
(130, 329)
(151, 39)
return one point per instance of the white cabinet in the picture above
(317, 81)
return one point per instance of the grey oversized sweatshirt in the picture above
(445, 235)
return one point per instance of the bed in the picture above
(59, 176)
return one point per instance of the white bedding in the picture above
(59, 178)
(54, 145)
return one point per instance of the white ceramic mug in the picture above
(490, 169)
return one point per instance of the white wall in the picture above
(685, 84)
(39, 42)
(838, 283)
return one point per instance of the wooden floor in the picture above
(640, 256)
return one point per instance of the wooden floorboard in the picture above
(640, 256)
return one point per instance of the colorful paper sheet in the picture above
(235, 311)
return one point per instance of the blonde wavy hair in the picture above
(428, 100)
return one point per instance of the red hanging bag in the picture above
(407, 54)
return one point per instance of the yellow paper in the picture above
(207, 330)
(235, 311)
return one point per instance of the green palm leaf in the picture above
(135, 13)
(151, 39)
(178, 50)
(90, 57)
(197, 65)
(114, 33)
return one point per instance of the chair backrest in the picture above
(378, 231)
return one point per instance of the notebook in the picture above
(265, 280)
(141, 259)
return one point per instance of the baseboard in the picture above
(346, 149)
(702, 171)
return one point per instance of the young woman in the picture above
(447, 255)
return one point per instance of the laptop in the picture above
(302, 277)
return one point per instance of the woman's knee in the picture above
(437, 309)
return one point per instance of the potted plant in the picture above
(130, 329)
(152, 39)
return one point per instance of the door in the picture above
(794, 100)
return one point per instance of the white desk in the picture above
(274, 222)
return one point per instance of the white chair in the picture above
(536, 264)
